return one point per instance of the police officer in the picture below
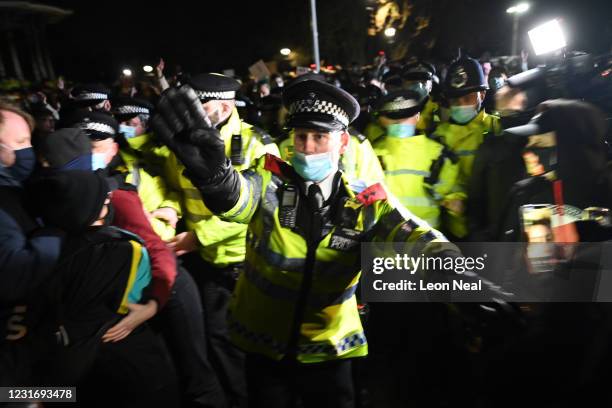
(92, 97)
(420, 76)
(84, 98)
(160, 201)
(469, 124)
(294, 309)
(214, 249)
(419, 171)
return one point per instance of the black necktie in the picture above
(315, 196)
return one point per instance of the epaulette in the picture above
(360, 136)
(370, 195)
(264, 137)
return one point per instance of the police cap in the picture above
(418, 71)
(464, 76)
(402, 103)
(214, 86)
(96, 125)
(125, 108)
(313, 104)
(90, 94)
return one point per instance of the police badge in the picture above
(459, 78)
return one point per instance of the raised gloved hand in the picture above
(181, 123)
(183, 126)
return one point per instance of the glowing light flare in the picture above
(547, 37)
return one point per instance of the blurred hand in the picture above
(455, 206)
(183, 243)
(166, 214)
(159, 68)
(42, 96)
(524, 55)
(138, 314)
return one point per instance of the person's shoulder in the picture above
(374, 193)
(95, 236)
(260, 134)
(358, 136)
(492, 123)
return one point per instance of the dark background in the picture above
(102, 37)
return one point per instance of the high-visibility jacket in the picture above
(464, 140)
(297, 295)
(359, 162)
(419, 172)
(220, 242)
(152, 191)
(374, 130)
(429, 118)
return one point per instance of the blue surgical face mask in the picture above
(128, 131)
(25, 160)
(463, 114)
(313, 167)
(401, 130)
(98, 161)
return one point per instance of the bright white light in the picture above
(390, 32)
(285, 51)
(127, 72)
(547, 37)
(519, 8)
(147, 68)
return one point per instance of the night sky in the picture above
(104, 36)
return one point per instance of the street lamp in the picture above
(127, 72)
(516, 11)
(147, 68)
(390, 32)
(285, 51)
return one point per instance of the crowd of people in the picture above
(195, 240)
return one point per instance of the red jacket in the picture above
(129, 215)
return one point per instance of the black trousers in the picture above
(281, 384)
(216, 286)
(182, 326)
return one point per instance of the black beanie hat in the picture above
(64, 146)
(70, 200)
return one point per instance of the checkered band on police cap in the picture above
(91, 96)
(128, 109)
(314, 105)
(226, 95)
(98, 127)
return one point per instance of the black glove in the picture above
(181, 123)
